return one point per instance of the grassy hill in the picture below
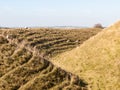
(97, 60)
(23, 63)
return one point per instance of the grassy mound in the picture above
(97, 60)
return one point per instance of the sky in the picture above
(22, 13)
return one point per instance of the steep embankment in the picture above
(97, 60)
(23, 63)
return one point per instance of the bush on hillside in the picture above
(98, 26)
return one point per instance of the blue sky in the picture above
(20, 13)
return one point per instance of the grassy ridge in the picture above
(97, 60)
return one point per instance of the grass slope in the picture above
(22, 58)
(97, 60)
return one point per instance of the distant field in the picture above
(51, 41)
(25, 53)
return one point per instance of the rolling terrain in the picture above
(97, 60)
(24, 58)
(51, 41)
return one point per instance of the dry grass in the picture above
(22, 58)
(51, 41)
(24, 68)
(97, 60)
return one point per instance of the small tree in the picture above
(98, 26)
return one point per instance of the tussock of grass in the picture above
(3, 40)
